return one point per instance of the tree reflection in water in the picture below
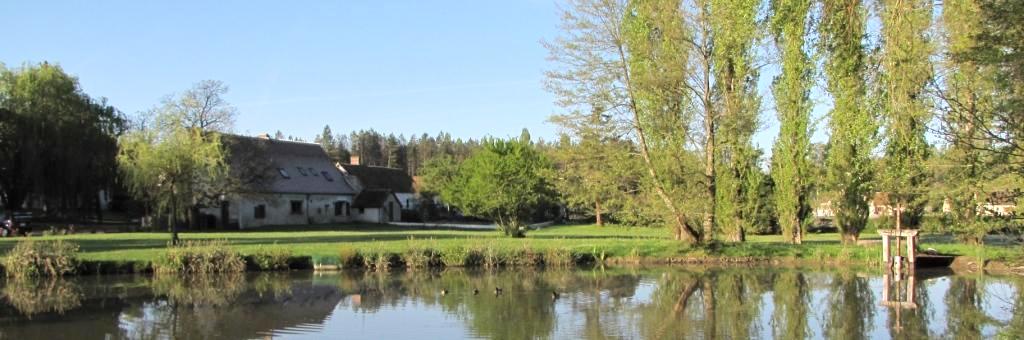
(35, 296)
(657, 303)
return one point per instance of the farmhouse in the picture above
(282, 183)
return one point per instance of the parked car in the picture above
(19, 223)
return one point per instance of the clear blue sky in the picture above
(471, 68)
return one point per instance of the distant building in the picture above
(282, 183)
(375, 179)
(999, 203)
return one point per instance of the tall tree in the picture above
(735, 28)
(790, 165)
(965, 101)
(171, 168)
(202, 107)
(852, 128)
(595, 169)
(655, 71)
(56, 143)
(905, 72)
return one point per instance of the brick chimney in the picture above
(354, 160)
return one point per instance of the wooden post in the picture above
(910, 249)
(885, 250)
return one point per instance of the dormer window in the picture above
(284, 173)
(302, 171)
(327, 176)
(313, 172)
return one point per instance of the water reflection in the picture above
(655, 303)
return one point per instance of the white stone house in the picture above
(282, 183)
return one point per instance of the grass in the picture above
(623, 244)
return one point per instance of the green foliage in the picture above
(56, 142)
(271, 258)
(656, 38)
(506, 182)
(905, 72)
(850, 171)
(200, 257)
(734, 24)
(172, 168)
(791, 167)
(596, 174)
(33, 259)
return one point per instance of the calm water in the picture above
(629, 303)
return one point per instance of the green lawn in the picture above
(618, 243)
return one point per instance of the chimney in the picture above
(354, 160)
(263, 136)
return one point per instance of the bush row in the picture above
(482, 256)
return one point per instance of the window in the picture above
(283, 173)
(340, 208)
(302, 171)
(260, 212)
(327, 176)
(296, 207)
(362, 211)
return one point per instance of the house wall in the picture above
(409, 200)
(377, 215)
(316, 209)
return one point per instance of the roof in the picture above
(373, 198)
(380, 178)
(278, 166)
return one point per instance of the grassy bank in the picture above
(615, 244)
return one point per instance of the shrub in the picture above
(455, 257)
(193, 257)
(271, 258)
(558, 257)
(528, 257)
(351, 258)
(31, 259)
(417, 258)
(382, 261)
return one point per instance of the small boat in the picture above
(933, 260)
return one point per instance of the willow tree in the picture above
(905, 73)
(852, 127)
(790, 165)
(735, 31)
(171, 167)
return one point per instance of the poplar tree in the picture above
(735, 31)
(852, 127)
(905, 72)
(790, 165)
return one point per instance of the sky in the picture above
(470, 68)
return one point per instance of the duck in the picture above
(476, 291)
(444, 292)
(554, 295)
(497, 290)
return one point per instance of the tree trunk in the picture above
(597, 213)
(708, 224)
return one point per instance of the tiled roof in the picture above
(372, 198)
(278, 158)
(380, 178)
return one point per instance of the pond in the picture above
(629, 303)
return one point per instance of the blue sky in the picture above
(471, 68)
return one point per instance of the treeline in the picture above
(388, 150)
(663, 102)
